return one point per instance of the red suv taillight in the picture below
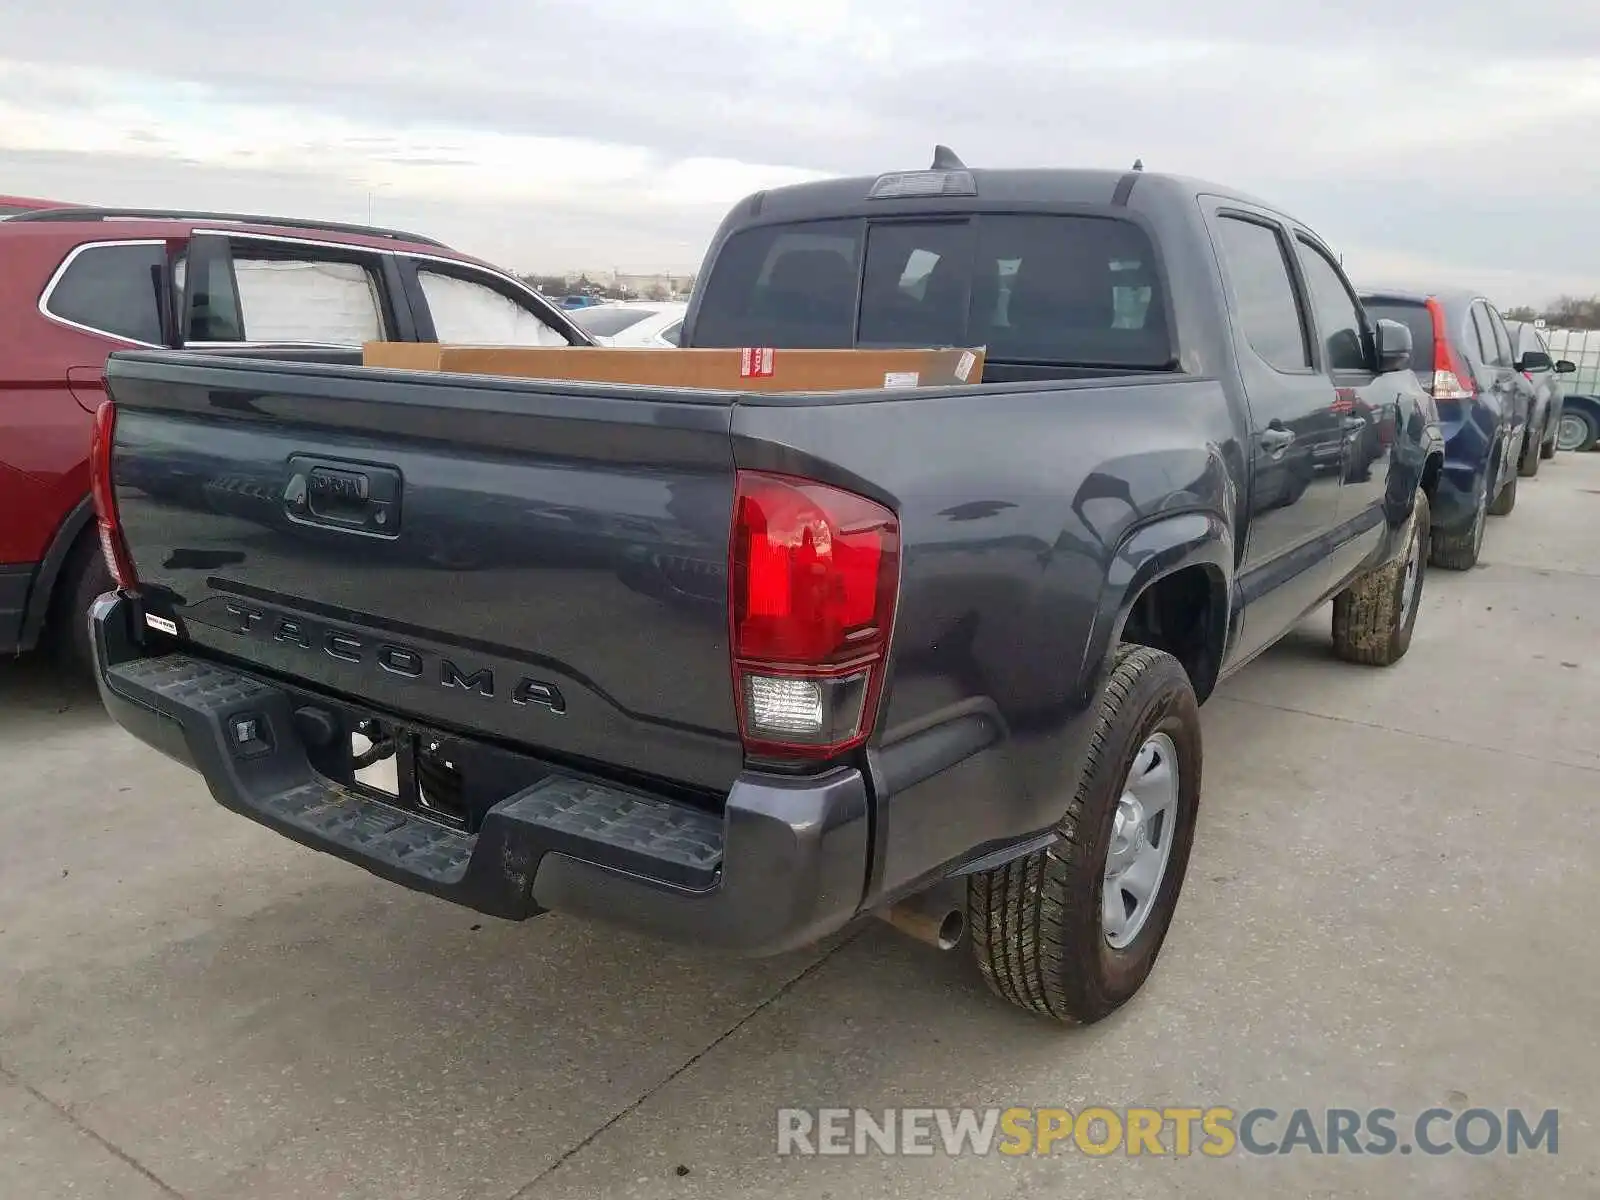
(112, 544)
(814, 573)
(1452, 378)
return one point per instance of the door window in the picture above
(307, 300)
(109, 289)
(467, 312)
(276, 293)
(1338, 315)
(1263, 293)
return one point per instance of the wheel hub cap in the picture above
(1142, 830)
(1570, 433)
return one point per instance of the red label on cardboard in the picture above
(755, 362)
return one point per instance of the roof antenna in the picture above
(944, 159)
(1138, 164)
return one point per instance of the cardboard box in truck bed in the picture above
(748, 370)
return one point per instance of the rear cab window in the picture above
(1033, 288)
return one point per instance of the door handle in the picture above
(1355, 424)
(1275, 441)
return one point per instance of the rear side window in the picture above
(109, 289)
(1414, 317)
(1032, 288)
(1263, 291)
(471, 313)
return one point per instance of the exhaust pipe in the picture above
(936, 917)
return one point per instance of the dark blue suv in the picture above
(1463, 355)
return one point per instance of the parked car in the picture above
(76, 284)
(1483, 403)
(1542, 371)
(948, 662)
(1580, 422)
(1580, 417)
(641, 323)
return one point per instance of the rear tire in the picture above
(1578, 431)
(1528, 464)
(1506, 500)
(1458, 549)
(1043, 931)
(1374, 616)
(83, 579)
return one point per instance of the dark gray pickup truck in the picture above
(741, 669)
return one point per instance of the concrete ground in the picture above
(1393, 902)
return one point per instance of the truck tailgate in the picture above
(539, 563)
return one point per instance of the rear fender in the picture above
(1149, 553)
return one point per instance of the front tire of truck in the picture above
(1073, 931)
(1374, 616)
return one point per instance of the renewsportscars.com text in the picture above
(1214, 1132)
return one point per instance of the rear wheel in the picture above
(1458, 549)
(1073, 931)
(1528, 464)
(1578, 431)
(83, 579)
(1374, 616)
(1506, 500)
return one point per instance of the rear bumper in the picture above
(784, 865)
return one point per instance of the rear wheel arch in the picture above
(1432, 472)
(1169, 590)
(75, 529)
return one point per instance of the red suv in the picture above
(78, 283)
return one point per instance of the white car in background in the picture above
(633, 323)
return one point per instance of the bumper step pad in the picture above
(594, 822)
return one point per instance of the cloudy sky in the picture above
(1449, 140)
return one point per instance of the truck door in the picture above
(1295, 435)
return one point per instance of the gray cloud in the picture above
(1385, 125)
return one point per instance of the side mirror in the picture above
(1394, 346)
(1565, 367)
(1534, 360)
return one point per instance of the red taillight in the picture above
(112, 544)
(1452, 378)
(814, 572)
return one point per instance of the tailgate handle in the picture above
(354, 497)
